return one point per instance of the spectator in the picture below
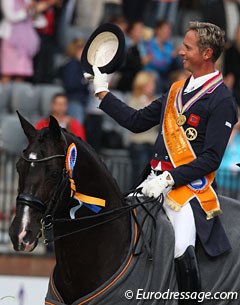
(164, 57)
(120, 21)
(88, 14)
(214, 11)
(76, 86)
(141, 144)
(232, 17)
(134, 10)
(111, 9)
(94, 124)
(135, 56)
(167, 10)
(20, 42)
(59, 106)
(228, 175)
(231, 66)
(44, 60)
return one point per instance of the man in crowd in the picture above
(59, 105)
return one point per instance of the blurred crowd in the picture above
(42, 42)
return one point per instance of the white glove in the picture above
(88, 76)
(156, 185)
(100, 82)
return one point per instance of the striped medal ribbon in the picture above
(208, 86)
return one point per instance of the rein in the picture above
(50, 207)
(110, 215)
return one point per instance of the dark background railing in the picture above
(119, 164)
(8, 190)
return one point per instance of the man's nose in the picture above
(181, 52)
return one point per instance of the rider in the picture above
(196, 117)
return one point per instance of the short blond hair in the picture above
(73, 47)
(140, 81)
(210, 36)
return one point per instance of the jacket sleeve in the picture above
(219, 127)
(132, 119)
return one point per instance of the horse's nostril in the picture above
(21, 247)
(28, 236)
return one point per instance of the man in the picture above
(196, 118)
(59, 105)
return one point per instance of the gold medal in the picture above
(181, 120)
(191, 133)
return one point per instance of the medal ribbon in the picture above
(93, 203)
(180, 152)
(208, 86)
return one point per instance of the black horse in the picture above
(94, 252)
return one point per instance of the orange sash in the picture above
(181, 152)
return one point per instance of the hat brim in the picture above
(105, 49)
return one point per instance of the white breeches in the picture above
(184, 227)
(183, 224)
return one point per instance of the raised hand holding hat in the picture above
(100, 81)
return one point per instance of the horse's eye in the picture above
(55, 174)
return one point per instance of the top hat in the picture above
(105, 49)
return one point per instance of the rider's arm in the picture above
(132, 119)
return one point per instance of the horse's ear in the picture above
(54, 127)
(27, 127)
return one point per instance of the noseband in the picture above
(31, 201)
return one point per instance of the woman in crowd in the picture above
(135, 58)
(20, 42)
(141, 144)
(164, 56)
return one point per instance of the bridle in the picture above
(42, 159)
(49, 208)
(36, 203)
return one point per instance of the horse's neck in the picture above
(92, 177)
(86, 260)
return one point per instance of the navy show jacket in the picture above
(217, 112)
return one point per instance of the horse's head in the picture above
(40, 170)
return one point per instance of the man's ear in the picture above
(54, 128)
(208, 53)
(29, 130)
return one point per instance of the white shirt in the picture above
(10, 16)
(195, 83)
